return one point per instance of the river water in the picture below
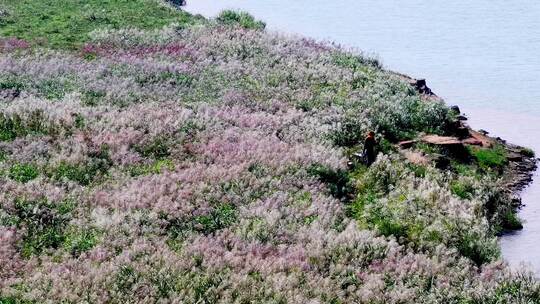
(482, 55)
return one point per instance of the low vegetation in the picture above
(67, 23)
(145, 160)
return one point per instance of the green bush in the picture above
(511, 221)
(351, 61)
(338, 181)
(155, 168)
(54, 88)
(243, 19)
(11, 82)
(15, 126)
(44, 224)
(157, 148)
(220, 217)
(469, 246)
(461, 189)
(92, 98)
(351, 132)
(23, 173)
(78, 241)
(85, 173)
(14, 300)
(528, 152)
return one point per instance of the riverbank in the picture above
(519, 165)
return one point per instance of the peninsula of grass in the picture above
(152, 156)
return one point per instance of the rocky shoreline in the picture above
(519, 171)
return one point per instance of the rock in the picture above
(450, 146)
(441, 140)
(512, 156)
(472, 141)
(483, 132)
(462, 132)
(462, 118)
(177, 2)
(406, 144)
(455, 109)
(421, 86)
(485, 140)
(415, 157)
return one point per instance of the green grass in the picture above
(23, 173)
(66, 23)
(490, 158)
(154, 168)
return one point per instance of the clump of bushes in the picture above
(14, 126)
(386, 203)
(158, 148)
(23, 173)
(462, 189)
(85, 173)
(154, 168)
(243, 19)
(219, 217)
(44, 224)
(338, 181)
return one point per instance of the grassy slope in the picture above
(66, 23)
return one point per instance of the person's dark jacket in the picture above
(369, 149)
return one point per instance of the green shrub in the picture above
(44, 224)
(352, 61)
(427, 148)
(78, 241)
(348, 134)
(338, 181)
(54, 88)
(469, 246)
(511, 221)
(462, 189)
(155, 168)
(92, 98)
(158, 148)
(15, 126)
(85, 173)
(527, 152)
(126, 278)
(418, 170)
(23, 173)
(14, 300)
(3, 155)
(221, 217)
(11, 82)
(243, 19)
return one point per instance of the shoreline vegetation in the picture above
(151, 156)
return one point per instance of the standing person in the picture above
(369, 148)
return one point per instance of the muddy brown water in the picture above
(481, 55)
